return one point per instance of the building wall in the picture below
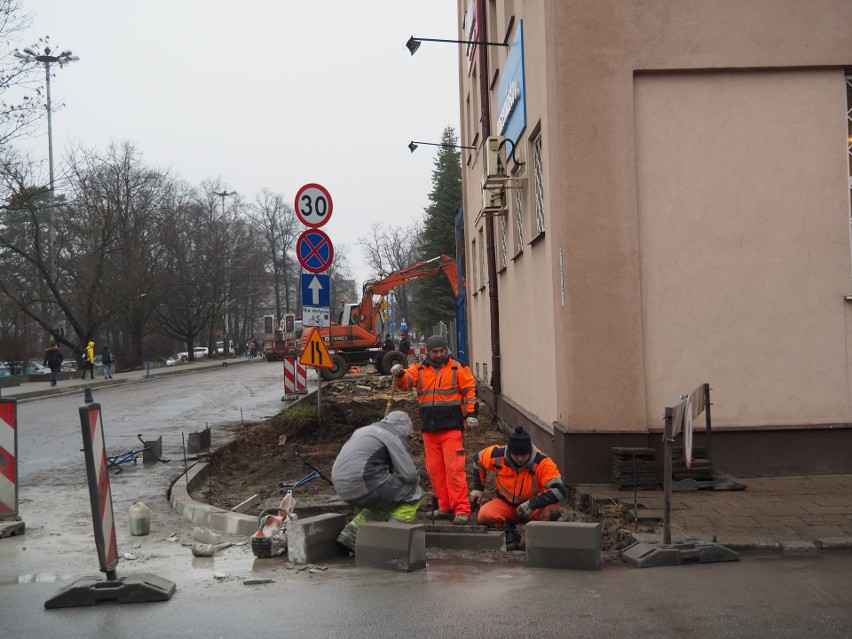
(696, 188)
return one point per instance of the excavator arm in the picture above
(364, 313)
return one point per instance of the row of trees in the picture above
(140, 259)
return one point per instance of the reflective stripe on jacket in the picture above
(446, 394)
(538, 480)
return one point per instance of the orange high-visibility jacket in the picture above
(538, 481)
(446, 394)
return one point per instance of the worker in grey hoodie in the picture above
(376, 472)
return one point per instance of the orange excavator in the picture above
(357, 338)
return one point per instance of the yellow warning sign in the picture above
(316, 353)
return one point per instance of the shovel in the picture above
(207, 550)
(390, 399)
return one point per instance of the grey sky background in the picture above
(272, 94)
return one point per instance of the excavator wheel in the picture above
(339, 370)
(389, 359)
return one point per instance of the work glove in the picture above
(397, 370)
(525, 511)
(475, 497)
(471, 422)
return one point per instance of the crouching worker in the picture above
(376, 472)
(527, 483)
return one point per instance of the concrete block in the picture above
(391, 546)
(198, 442)
(467, 540)
(156, 450)
(243, 507)
(314, 539)
(562, 544)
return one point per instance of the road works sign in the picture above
(314, 250)
(315, 353)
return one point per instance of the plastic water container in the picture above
(140, 519)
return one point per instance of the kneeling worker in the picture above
(375, 471)
(527, 483)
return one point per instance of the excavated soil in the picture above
(269, 457)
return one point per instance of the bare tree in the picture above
(277, 227)
(391, 249)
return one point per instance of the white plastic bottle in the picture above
(140, 519)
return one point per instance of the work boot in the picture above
(461, 519)
(440, 514)
(347, 537)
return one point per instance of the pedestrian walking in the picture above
(89, 360)
(446, 390)
(108, 361)
(376, 472)
(527, 483)
(388, 345)
(53, 359)
(405, 345)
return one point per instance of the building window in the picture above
(539, 186)
(504, 249)
(849, 131)
(519, 222)
(481, 266)
(474, 266)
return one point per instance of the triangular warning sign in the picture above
(316, 353)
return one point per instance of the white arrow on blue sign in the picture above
(315, 289)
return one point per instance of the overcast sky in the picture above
(273, 93)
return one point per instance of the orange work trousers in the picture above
(445, 463)
(497, 512)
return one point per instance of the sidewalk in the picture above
(29, 390)
(791, 515)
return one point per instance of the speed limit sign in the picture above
(313, 205)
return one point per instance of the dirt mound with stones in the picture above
(270, 457)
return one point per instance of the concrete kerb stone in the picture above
(555, 544)
(834, 543)
(314, 539)
(391, 546)
(205, 515)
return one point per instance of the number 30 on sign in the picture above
(313, 205)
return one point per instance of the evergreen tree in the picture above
(434, 301)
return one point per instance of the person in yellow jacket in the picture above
(446, 391)
(89, 360)
(527, 483)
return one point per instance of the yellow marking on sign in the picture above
(316, 353)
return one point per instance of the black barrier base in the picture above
(644, 555)
(90, 591)
(12, 527)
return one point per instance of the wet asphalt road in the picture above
(757, 597)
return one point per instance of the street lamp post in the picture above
(223, 195)
(28, 55)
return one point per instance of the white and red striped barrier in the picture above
(8, 459)
(97, 471)
(295, 377)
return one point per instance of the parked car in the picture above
(69, 365)
(36, 368)
(200, 351)
(220, 347)
(171, 361)
(4, 370)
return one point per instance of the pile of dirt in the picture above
(269, 457)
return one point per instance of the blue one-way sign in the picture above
(315, 289)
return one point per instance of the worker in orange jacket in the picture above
(446, 391)
(527, 483)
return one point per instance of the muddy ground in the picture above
(268, 457)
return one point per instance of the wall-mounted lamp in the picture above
(414, 43)
(412, 146)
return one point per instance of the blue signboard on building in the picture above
(512, 92)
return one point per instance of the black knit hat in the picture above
(519, 442)
(436, 341)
